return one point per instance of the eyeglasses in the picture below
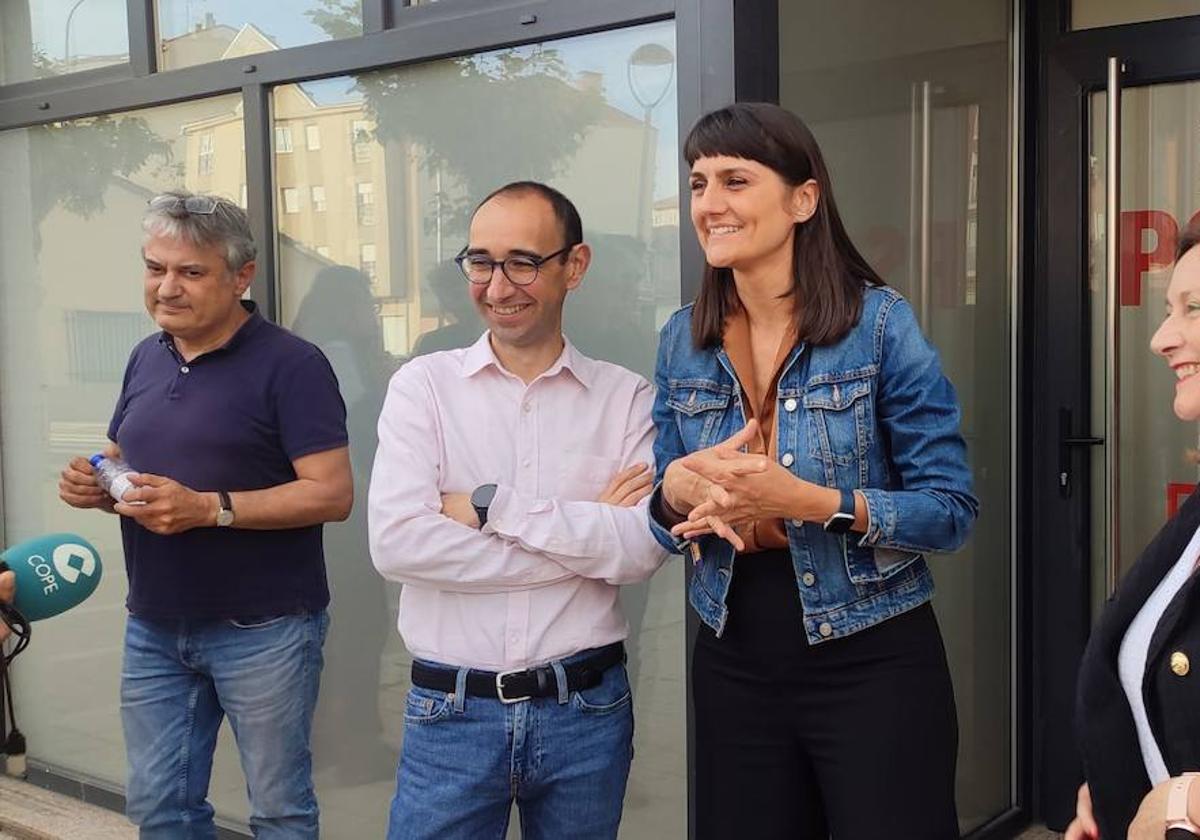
(200, 205)
(520, 269)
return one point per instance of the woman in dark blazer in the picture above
(1138, 708)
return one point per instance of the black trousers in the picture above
(855, 738)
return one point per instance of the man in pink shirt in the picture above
(509, 496)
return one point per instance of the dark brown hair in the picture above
(1188, 240)
(828, 272)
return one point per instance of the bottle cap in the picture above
(96, 459)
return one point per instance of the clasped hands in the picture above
(722, 487)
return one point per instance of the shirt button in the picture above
(825, 629)
(787, 459)
(789, 404)
(525, 463)
(527, 408)
(808, 579)
(797, 522)
(185, 369)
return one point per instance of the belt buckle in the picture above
(500, 687)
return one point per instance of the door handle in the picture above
(1066, 441)
(920, 208)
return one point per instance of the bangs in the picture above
(732, 133)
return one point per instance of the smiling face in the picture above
(523, 224)
(1178, 338)
(745, 213)
(190, 291)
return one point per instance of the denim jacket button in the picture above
(787, 459)
(825, 629)
(789, 404)
(798, 522)
(808, 579)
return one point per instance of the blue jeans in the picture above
(179, 679)
(564, 760)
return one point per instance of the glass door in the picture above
(1148, 462)
(1115, 182)
(916, 134)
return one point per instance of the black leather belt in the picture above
(514, 686)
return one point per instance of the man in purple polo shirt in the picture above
(238, 434)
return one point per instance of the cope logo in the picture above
(72, 560)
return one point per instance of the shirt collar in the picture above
(247, 328)
(481, 355)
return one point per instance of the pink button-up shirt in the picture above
(540, 581)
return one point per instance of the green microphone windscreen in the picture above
(54, 573)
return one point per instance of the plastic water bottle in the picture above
(113, 475)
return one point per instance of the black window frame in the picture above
(396, 34)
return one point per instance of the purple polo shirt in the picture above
(232, 419)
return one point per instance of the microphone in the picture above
(54, 573)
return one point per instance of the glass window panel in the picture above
(1087, 14)
(910, 103)
(192, 32)
(1160, 198)
(399, 147)
(42, 38)
(70, 312)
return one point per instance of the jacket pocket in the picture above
(699, 405)
(841, 417)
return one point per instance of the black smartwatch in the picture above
(481, 500)
(843, 519)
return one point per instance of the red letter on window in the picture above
(1135, 261)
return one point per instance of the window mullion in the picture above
(260, 196)
(143, 37)
(376, 15)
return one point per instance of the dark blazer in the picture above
(1112, 758)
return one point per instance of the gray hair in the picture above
(226, 228)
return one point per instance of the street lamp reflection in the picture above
(650, 70)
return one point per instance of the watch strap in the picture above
(224, 509)
(843, 518)
(1177, 806)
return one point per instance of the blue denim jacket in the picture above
(872, 413)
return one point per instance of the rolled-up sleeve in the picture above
(932, 508)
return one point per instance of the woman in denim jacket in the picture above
(808, 457)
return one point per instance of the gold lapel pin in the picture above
(1180, 664)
